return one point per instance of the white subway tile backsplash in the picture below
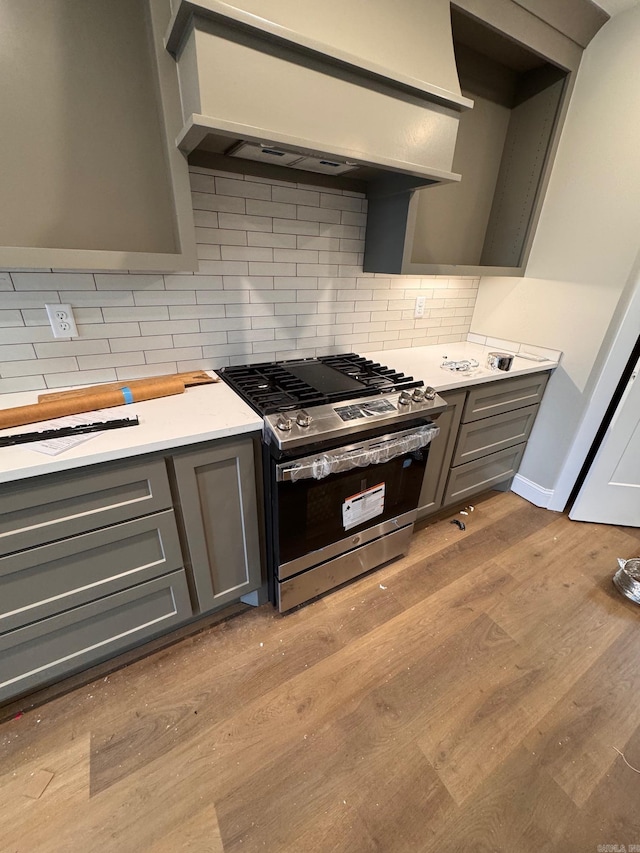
(10, 318)
(206, 218)
(341, 202)
(279, 276)
(25, 335)
(116, 315)
(275, 241)
(245, 189)
(53, 281)
(202, 201)
(310, 198)
(294, 226)
(14, 352)
(169, 327)
(118, 359)
(239, 222)
(220, 237)
(129, 281)
(148, 342)
(271, 208)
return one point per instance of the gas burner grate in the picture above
(273, 386)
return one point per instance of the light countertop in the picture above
(424, 363)
(209, 412)
(202, 413)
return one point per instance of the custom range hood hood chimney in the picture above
(366, 89)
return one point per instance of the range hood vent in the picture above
(282, 83)
(263, 153)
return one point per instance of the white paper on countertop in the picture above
(55, 446)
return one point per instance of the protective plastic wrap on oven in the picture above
(369, 453)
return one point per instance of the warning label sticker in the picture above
(363, 506)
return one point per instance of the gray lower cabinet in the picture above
(440, 454)
(74, 639)
(483, 435)
(215, 494)
(482, 474)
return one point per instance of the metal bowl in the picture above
(627, 578)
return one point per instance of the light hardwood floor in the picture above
(469, 697)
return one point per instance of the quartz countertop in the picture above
(425, 363)
(208, 412)
(202, 413)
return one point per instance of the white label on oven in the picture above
(363, 506)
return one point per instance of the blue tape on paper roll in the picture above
(128, 396)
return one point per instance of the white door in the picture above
(610, 493)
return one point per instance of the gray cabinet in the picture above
(440, 454)
(90, 565)
(483, 435)
(43, 651)
(517, 61)
(91, 177)
(496, 422)
(215, 492)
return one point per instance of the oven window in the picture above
(311, 512)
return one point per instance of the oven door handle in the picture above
(372, 452)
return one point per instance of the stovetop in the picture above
(302, 383)
(329, 398)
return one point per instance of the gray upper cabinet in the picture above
(91, 177)
(215, 500)
(517, 61)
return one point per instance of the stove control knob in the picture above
(430, 393)
(405, 398)
(284, 423)
(303, 418)
(418, 395)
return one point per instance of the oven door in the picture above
(329, 503)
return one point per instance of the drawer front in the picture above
(482, 474)
(488, 435)
(504, 396)
(47, 650)
(43, 509)
(44, 581)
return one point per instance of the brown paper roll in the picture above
(87, 402)
(196, 377)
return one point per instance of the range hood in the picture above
(365, 89)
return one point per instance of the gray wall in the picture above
(280, 275)
(585, 245)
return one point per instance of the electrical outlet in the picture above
(62, 322)
(419, 309)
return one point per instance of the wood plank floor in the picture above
(471, 696)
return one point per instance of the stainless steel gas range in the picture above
(345, 446)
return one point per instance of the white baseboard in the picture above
(532, 492)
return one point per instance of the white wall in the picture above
(586, 242)
(280, 276)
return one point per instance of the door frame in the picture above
(618, 343)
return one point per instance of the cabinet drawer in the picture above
(43, 581)
(474, 477)
(488, 435)
(54, 647)
(43, 509)
(504, 396)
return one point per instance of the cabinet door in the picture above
(440, 453)
(75, 639)
(488, 435)
(482, 474)
(216, 494)
(504, 396)
(45, 509)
